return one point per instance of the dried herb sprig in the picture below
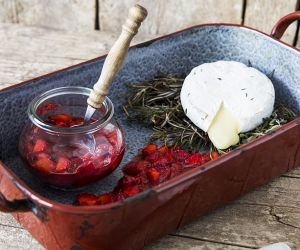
(158, 102)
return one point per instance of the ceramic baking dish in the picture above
(48, 214)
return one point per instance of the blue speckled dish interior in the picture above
(176, 54)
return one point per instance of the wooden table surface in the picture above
(267, 215)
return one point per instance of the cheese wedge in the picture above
(225, 98)
(224, 130)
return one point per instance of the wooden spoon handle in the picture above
(116, 55)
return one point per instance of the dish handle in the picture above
(22, 205)
(283, 23)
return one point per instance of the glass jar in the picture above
(59, 149)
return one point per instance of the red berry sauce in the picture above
(74, 161)
(152, 167)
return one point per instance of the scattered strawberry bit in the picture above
(179, 154)
(214, 155)
(130, 191)
(152, 167)
(151, 148)
(87, 200)
(136, 167)
(153, 156)
(194, 159)
(153, 176)
(163, 149)
(105, 199)
(205, 158)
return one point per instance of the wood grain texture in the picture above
(170, 15)
(295, 173)
(7, 11)
(263, 14)
(177, 242)
(251, 226)
(298, 40)
(12, 238)
(43, 50)
(76, 15)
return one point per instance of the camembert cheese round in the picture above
(225, 98)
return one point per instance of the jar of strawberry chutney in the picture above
(60, 149)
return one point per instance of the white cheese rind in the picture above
(246, 92)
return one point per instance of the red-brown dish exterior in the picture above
(135, 223)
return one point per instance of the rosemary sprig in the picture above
(158, 102)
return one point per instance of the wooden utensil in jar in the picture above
(115, 59)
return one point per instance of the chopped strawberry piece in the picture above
(163, 149)
(62, 165)
(165, 173)
(169, 156)
(136, 167)
(214, 155)
(61, 124)
(119, 196)
(194, 159)
(130, 191)
(43, 155)
(61, 120)
(205, 158)
(105, 198)
(44, 165)
(153, 176)
(87, 200)
(76, 121)
(42, 110)
(151, 148)
(161, 162)
(179, 154)
(39, 146)
(153, 157)
(128, 181)
(176, 168)
(113, 137)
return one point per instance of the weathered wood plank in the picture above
(250, 226)
(169, 15)
(181, 243)
(27, 52)
(15, 238)
(298, 41)
(7, 11)
(283, 191)
(263, 14)
(8, 220)
(66, 15)
(295, 173)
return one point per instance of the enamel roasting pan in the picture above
(48, 214)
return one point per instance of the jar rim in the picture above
(90, 128)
